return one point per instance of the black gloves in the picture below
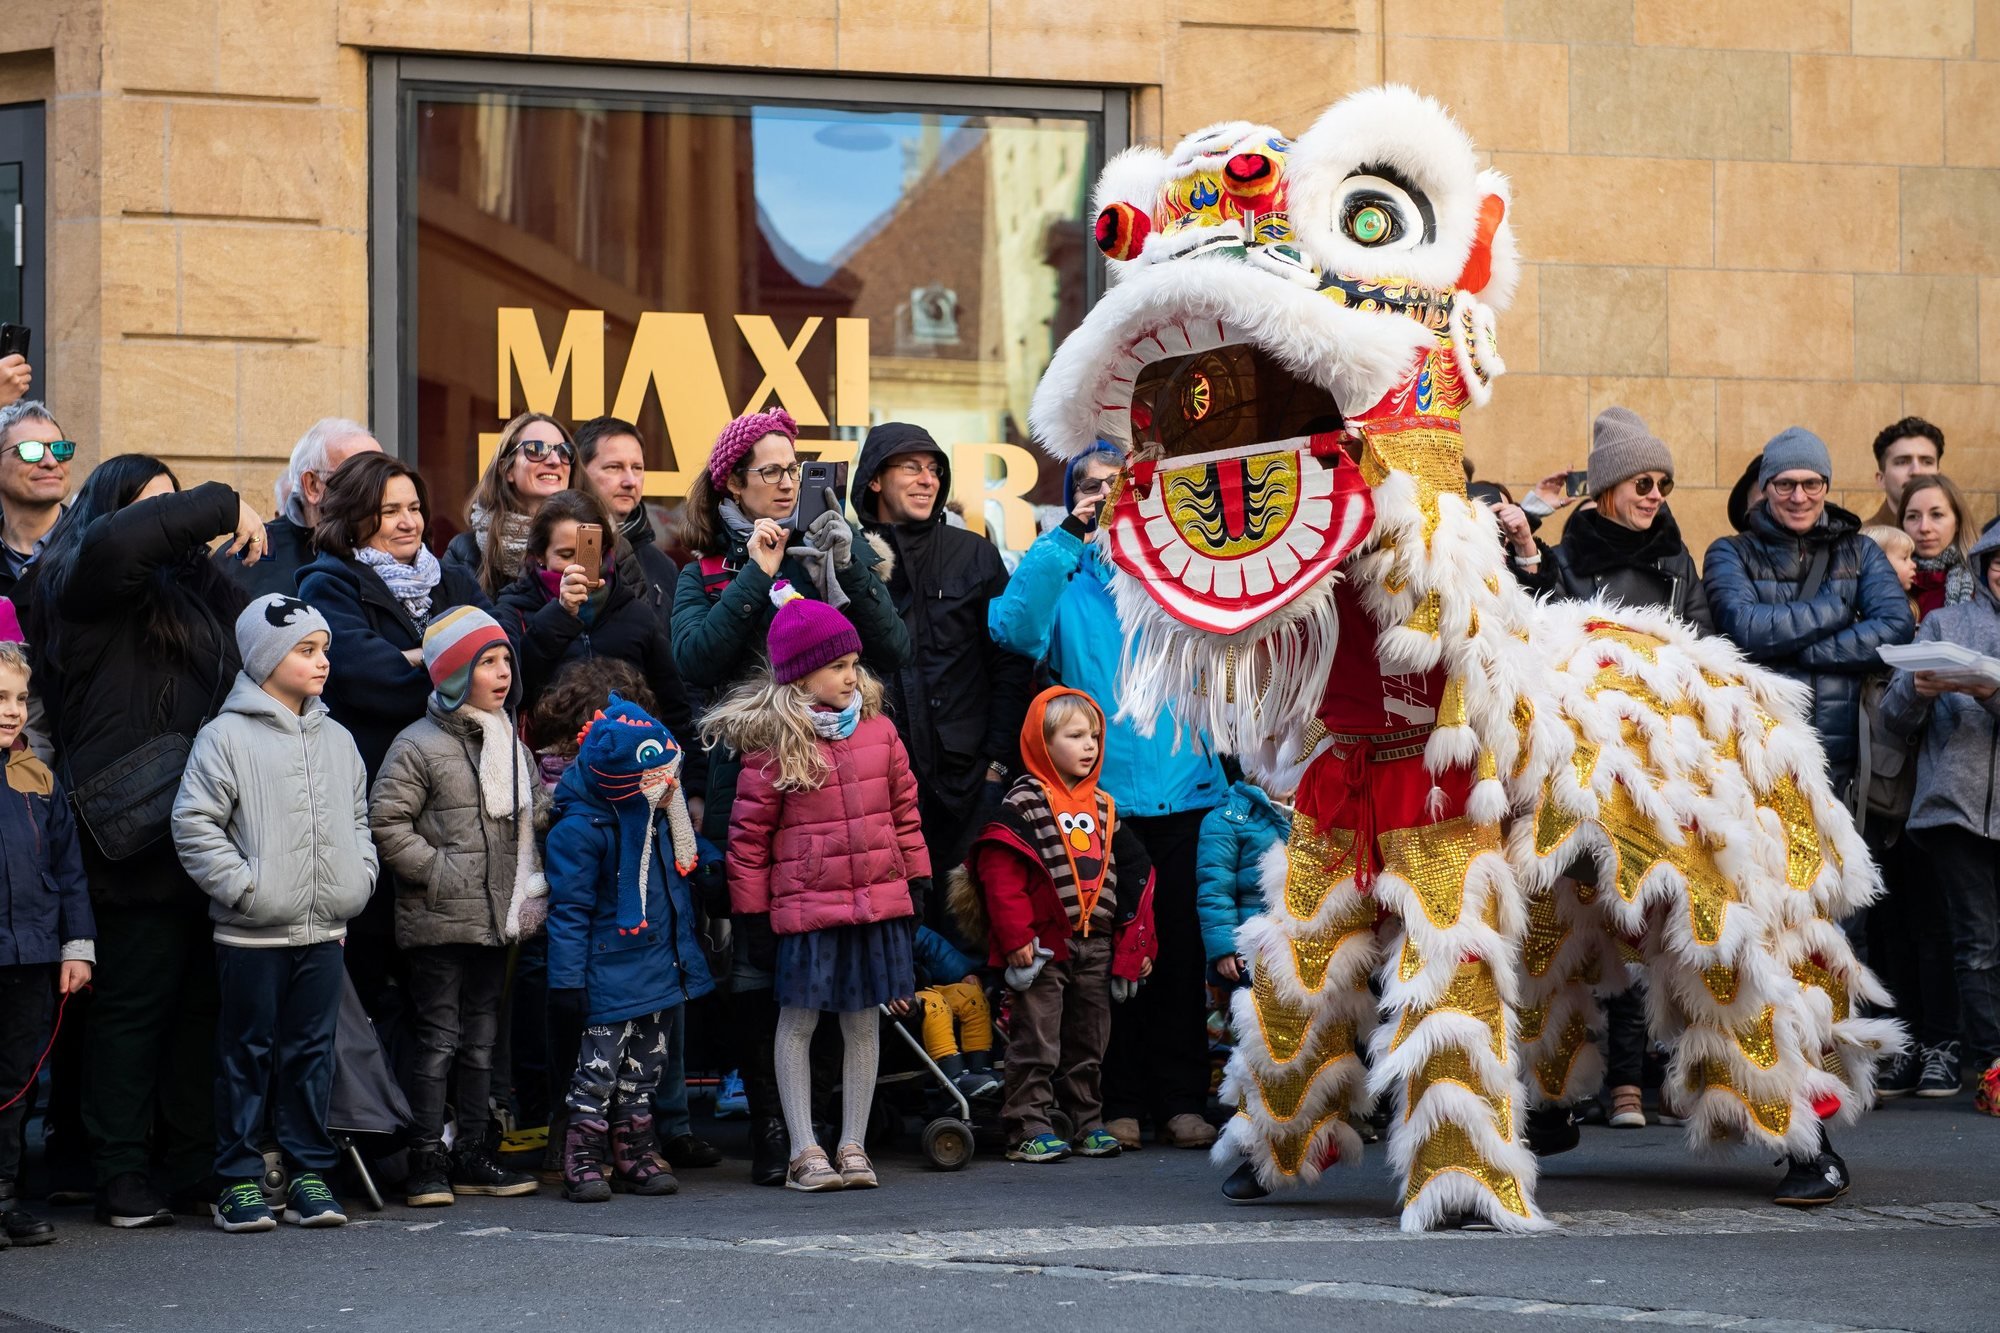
(920, 892)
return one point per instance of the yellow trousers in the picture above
(961, 1000)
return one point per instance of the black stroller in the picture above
(367, 1105)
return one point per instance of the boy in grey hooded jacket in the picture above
(272, 823)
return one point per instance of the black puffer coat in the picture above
(111, 692)
(959, 701)
(1754, 583)
(1640, 568)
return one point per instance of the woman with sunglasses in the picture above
(737, 519)
(531, 464)
(1627, 546)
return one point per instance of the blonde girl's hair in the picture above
(15, 655)
(1059, 710)
(1895, 541)
(762, 716)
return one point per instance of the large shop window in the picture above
(678, 257)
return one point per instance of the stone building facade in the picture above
(1739, 216)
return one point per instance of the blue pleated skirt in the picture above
(845, 969)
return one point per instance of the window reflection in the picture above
(959, 238)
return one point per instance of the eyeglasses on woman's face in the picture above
(539, 451)
(771, 474)
(1786, 487)
(1643, 485)
(34, 451)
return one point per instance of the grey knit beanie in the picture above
(1621, 447)
(1793, 448)
(269, 628)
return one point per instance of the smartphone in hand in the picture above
(1576, 483)
(14, 339)
(590, 551)
(822, 488)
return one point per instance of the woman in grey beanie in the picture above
(1628, 547)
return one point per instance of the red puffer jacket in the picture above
(841, 855)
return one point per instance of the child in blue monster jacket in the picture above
(624, 950)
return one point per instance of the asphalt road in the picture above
(1647, 1235)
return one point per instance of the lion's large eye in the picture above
(1380, 214)
(650, 752)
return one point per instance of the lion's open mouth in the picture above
(1240, 496)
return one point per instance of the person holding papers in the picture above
(1955, 815)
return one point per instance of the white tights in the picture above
(858, 1032)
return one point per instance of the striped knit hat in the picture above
(452, 644)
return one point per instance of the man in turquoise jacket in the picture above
(1058, 608)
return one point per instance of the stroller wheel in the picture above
(1061, 1125)
(948, 1143)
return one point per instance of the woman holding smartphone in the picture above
(569, 605)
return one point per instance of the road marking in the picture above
(1015, 1250)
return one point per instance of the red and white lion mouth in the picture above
(1239, 497)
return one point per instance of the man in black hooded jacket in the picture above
(959, 701)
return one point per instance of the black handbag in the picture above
(129, 804)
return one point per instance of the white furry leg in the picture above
(1448, 987)
(1295, 1074)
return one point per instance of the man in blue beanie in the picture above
(1801, 591)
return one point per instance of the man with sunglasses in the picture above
(1801, 591)
(34, 482)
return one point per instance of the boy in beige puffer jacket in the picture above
(453, 812)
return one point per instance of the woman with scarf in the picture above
(379, 587)
(1933, 513)
(737, 521)
(1626, 549)
(531, 464)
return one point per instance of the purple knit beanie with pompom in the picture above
(806, 634)
(740, 436)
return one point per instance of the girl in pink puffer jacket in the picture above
(824, 838)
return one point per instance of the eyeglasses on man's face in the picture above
(34, 451)
(1092, 486)
(913, 468)
(772, 474)
(1786, 487)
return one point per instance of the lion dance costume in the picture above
(1502, 804)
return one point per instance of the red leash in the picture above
(37, 1073)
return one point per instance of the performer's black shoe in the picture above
(1243, 1185)
(1552, 1130)
(1815, 1180)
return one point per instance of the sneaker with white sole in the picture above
(1628, 1108)
(1041, 1148)
(309, 1203)
(242, 1208)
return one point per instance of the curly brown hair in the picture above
(576, 696)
